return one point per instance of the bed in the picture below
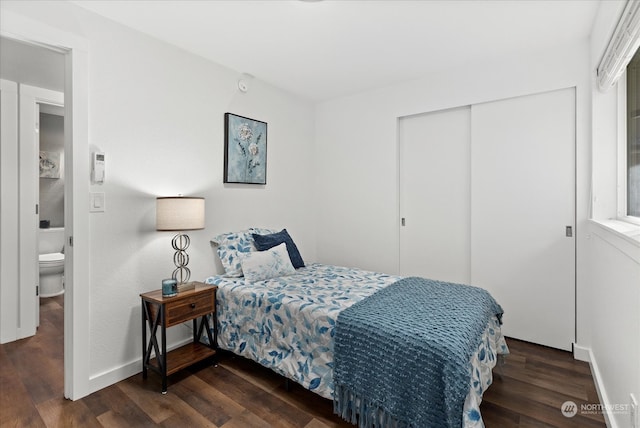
(287, 321)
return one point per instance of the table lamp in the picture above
(180, 213)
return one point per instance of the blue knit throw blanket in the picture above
(402, 355)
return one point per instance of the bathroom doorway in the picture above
(75, 50)
(49, 128)
(37, 76)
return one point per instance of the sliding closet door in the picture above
(434, 195)
(522, 211)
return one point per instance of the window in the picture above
(633, 136)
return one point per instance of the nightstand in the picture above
(159, 313)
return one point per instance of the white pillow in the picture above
(232, 245)
(261, 265)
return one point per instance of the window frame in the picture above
(622, 173)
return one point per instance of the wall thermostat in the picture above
(97, 167)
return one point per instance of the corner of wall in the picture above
(600, 389)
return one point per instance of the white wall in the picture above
(612, 282)
(31, 65)
(158, 114)
(356, 146)
(52, 189)
(611, 275)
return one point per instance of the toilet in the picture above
(51, 261)
(51, 274)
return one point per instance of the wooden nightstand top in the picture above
(156, 295)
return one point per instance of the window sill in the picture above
(621, 234)
(625, 230)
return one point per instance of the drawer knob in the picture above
(193, 306)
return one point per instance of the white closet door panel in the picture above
(522, 200)
(434, 195)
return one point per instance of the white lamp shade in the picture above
(179, 213)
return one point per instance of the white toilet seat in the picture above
(51, 258)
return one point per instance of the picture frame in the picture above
(245, 150)
(49, 164)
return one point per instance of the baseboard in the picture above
(117, 374)
(582, 353)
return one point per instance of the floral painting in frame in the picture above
(245, 150)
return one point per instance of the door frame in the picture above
(76, 298)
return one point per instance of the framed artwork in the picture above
(49, 165)
(245, 150)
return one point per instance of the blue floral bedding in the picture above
(287, 324)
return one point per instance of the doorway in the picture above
(77, 382)
(37, 74)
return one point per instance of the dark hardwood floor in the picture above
(528, 391)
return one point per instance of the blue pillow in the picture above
(265, 242)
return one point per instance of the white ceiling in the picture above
(326, 49)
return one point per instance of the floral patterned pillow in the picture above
(232, 245)
(272, 263)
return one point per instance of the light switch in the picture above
(97, 202)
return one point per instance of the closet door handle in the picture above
(568, 231)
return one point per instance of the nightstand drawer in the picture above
(182, 310)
